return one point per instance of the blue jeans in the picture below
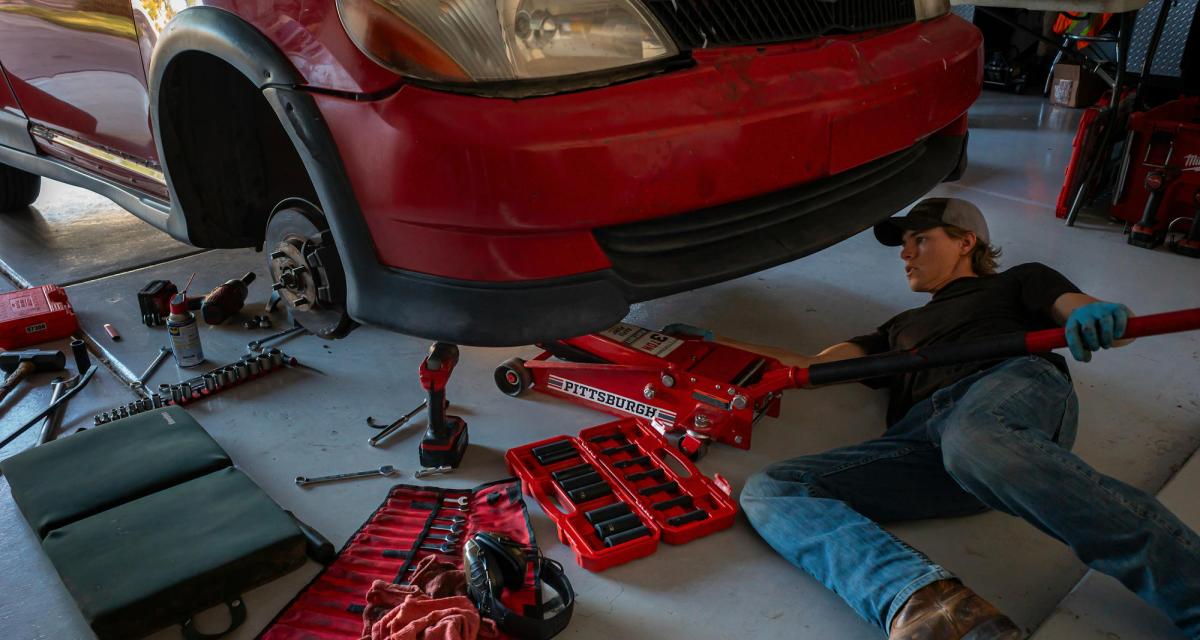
(999, 439)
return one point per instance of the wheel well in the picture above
(229, 158)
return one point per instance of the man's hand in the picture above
(1095, 326)
(691, 331)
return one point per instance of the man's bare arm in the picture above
(1068, 302)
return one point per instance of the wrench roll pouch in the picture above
(619, 488)
(65, 480)
(412, 524)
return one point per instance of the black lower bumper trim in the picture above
(667, 255)
(486, 314)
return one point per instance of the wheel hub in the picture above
(307, 272)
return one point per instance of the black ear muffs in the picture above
(496, 562)
(504, 555)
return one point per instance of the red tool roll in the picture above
(387, 547)
(624, 489)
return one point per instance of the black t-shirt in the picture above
(1017, 300)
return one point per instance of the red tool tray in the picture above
(610, 449)
(388, 545)
(33, 316)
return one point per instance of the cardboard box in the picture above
(1074, 86)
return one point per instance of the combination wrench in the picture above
(385, 470)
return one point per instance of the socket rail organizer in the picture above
(618, 489)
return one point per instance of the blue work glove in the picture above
(1094, 326)
(691, 331)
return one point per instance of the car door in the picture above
(76, 70)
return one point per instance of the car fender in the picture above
(226, 36)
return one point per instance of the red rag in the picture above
(433, 607)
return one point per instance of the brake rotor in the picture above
(307, 272)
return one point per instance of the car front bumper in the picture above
(503, 222)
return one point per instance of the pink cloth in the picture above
(433, 607)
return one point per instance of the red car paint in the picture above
(484, 192)
(524, 182)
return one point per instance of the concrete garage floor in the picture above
(1140, 418)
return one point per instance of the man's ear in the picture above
(967, 243)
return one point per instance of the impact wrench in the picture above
(445, 439)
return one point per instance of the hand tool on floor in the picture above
(82, 359)
(395, 426)
(140, 383)
(432, 471)
(19, 364)
(59, 386)
(83, 380)
(386, 470)
(257, 345)
(225, 300)
(445, 439)
(694, 392)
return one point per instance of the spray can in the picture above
(184, 333)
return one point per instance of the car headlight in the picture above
(473, 41)
(927, 9)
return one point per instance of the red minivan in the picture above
(490, 172)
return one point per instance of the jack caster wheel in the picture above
(512, 378)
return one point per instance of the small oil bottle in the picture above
(185, 334)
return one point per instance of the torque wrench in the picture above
(385, 470)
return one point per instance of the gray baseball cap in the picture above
(930, 213)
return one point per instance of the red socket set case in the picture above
(619, 488)
(36, 315)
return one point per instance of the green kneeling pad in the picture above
(65, 480)
(157, 560)
(147, 522)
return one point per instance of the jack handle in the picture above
(1009, 345)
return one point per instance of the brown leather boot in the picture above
(947, 610)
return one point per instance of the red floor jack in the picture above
(445, 439)
(691, 391)
(696, 392)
